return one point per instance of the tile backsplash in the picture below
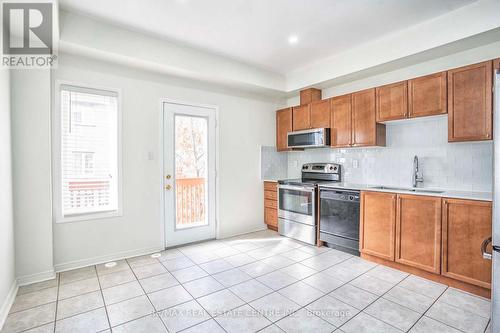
(273, 165)
(457, 166)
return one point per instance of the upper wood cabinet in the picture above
(392, 101)
(301, 117)
(466, 224)
(341, 121)
(377, 224)
(320, 114)
(470, 109)
(284, 124)
(496, 63)
(427, 95)
(307, 96)
(418, 232)
(365, 130)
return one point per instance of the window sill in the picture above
(90, 216)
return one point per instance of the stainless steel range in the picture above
(298, 204)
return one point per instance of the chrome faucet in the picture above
(416, 176)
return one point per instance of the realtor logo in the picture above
(28, 35)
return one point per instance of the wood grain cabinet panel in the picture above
(341, 121)
(496, 63)
(284, 125)
(392, 101)
(377, 224)
(271, 205)
(320, 114)
(466, 224)
(301, 117)
(427, 95)
(418, 232)
(309, 95)
(365, 130)
(470, 109)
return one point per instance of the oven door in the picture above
(296, 203)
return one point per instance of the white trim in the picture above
(56, 154)
(7, 303)
(162, 162)
(37, 277)
(106, 258)
(264, 227)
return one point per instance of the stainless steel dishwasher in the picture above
(339, 219)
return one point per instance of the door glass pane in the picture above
(191, 164)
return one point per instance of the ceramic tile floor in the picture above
(255, 282)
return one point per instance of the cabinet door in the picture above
(466, 224)
(341, 121)
(363, 118)
(283, 126)
(392, 101)
(309, 95)
(418, 232)
(496, 63)
(470, 109)
(427, 95)
(271, 216)
(301, 117)
(377, 225)
(320, 114)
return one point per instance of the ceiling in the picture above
(257, 31)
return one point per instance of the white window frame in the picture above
(56, 155)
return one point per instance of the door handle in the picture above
(485, 254)
(168, 187)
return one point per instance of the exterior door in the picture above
(189, 171)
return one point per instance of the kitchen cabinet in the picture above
(365, 130)
(470, 109)
(341, 121)
(301, 116)
(307, 96)
(377, 224)
(283, 126)
(320, 114)
(496, 63)
(271, 205)
(427, 95)
(418, 232)
(392, 101)
(466, 224)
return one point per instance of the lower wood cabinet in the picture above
(418, 232)
(377, 225)
(271, 205)
(466, 224)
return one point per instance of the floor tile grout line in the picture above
(103, 301)
(57, 300)
(145, 293)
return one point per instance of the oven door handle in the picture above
(296, 188)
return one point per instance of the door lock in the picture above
(168, 176)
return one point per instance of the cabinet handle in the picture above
(485, 254)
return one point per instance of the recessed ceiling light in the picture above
(110, 264)
(293, 39)
(156, 255)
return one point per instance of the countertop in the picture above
(468, 195)
(270, 180)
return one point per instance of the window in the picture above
(88, 175)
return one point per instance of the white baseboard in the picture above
(103, 259)
(33, 278)
(260, 228)
(7, 304)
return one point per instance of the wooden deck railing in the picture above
(190, 200)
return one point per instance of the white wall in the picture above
(7, 264)
(245, 123)
(31, 174)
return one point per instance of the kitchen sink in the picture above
(416, 190)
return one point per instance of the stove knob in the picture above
(351, 197)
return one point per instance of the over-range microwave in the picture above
(311, 138)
